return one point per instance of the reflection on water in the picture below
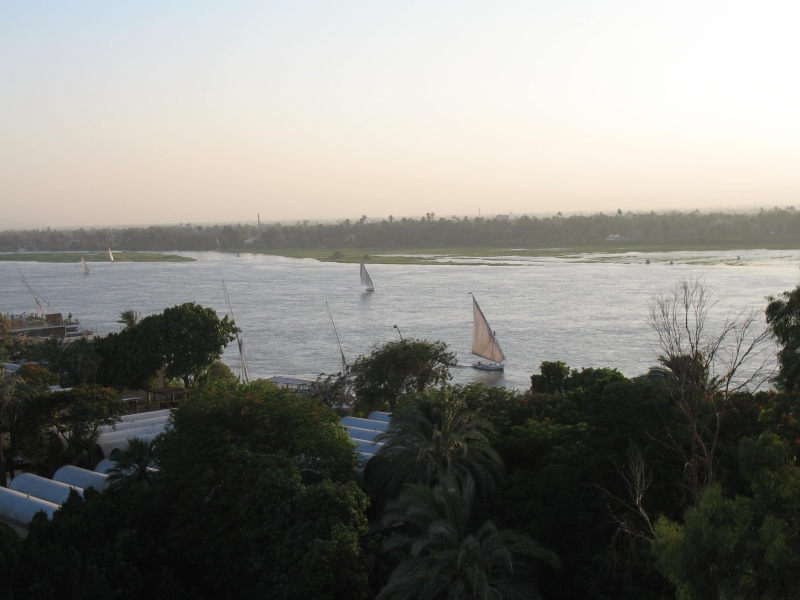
(586, 310)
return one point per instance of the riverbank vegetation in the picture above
(350, 240)
(91, 257)
(681, 482)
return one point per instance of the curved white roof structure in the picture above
(135, 424)
(380, 416)
(81, 478)
(367, 447)
(118, 443)
(356, 433)
(129, 433)
(18, 509)
(365, 424)
(104, 466)
(44, 489)
(147, 415)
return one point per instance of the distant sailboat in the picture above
(218, 246)
(85, 266)
(484, 342)
(366, 279)
(110, 255)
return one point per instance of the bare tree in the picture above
(705, 367)
(626, 507)
(627, 511)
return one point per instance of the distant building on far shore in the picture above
(501, 217)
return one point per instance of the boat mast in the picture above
(239, 341)
(344, 360)
(36, 297)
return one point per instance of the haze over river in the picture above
(587, 310)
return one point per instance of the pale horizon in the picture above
(124, 115)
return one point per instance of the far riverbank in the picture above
(603, 252)
(91, 257)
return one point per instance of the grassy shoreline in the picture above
(91, 257)
(414, 255)
(429, 255)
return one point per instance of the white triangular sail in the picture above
(85, 266)
(110, 255)
(484, 344)
(365, 278)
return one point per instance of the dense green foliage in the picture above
(192, 338)
(475, 493)
(130, 358)
(430, 231)
(434, 438)
(783, 317)
(188, 339)
(399, 368)
(255, 497)
(449, 560)
(745, 547)
(63, 427)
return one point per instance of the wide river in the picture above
(587, 310)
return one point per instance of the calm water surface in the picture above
(586, 310)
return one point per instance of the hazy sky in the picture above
(167, 112)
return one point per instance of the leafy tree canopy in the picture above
(783, 319)
(192, 339)
(189, 339)
(745, 547)
(398, 368)
(254, 498)
(76, 416)
(551, 378)
(130, 358)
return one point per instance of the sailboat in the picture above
(110, 255)
(239, 341)
(366, 279)
(85, 266)
(345, 366)
(484, 342)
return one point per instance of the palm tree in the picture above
(53, 352)
(449, 561)
(135, 463)
(432, 437)
(683, 371)
(129, 318)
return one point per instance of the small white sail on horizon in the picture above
(110, 255)
(366, 279)
(85, 266)
(484, 342)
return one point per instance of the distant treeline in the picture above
(430, 231)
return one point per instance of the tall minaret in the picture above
(259, 220)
